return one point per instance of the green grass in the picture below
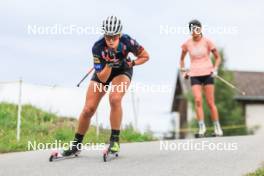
(43, 127)
(258, 172)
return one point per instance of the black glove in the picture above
(110, 57)
(129, 63)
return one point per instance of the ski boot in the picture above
(201, 132)
(218, 132)
(112, 150)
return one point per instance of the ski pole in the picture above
(87, 74)
(231, 85)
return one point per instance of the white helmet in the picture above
(112, 26)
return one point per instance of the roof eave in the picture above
(249, 98)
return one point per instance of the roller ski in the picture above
(112, 151)
(197, 135)
(202, 131)
(72, 152)
(218, 132)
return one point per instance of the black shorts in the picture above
(115, 72)
(202, 80)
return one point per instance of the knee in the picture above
(88, 111)
(115, 100)
(211, 104)
(198, 102)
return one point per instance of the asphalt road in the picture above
(235, 156)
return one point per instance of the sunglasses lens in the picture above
(115, 37)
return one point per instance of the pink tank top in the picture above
(199, 52)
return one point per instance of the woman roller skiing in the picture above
(201, 73)
(112, 65)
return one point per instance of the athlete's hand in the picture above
(110, 57)
(214, 72)
(131, 63)
(185, 73)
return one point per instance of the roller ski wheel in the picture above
(111, 152)
(216, 135)
(197, 135)
(207, 135)
(58, 155)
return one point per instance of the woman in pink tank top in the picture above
(202, 73)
